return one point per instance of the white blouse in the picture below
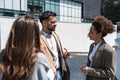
(95, 47)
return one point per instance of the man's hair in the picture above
(46, 15)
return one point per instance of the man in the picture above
(51, 42)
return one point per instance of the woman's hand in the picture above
(83, 69)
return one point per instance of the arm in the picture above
(107, 71)
(43, 68)
(66, 53)
(39, 73)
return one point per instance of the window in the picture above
(13, 7)
(53, 5)
(67, 10)
(70, 11)
(35, 7)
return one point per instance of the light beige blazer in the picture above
(49, 51)
(103, 63)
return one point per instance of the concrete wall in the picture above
(5, 26)
(73, 36)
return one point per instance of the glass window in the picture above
(35, 7)
(53, 5)
(24, 5)
(1, 3)
(47, 7)
(52, 8)
(57, 9)
(8, 4)
(70, 11)
(16, 5)
(66, 10)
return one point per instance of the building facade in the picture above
(71, 16)
(67, 10)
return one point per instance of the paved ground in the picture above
(75, 61)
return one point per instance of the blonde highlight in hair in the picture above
(21, 49)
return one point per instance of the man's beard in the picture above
(51, 29)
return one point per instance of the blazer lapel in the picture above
(58, 42)
(91, 48)
(45, 41)
(99, 50)
(47, 45)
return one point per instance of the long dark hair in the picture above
(21, 49)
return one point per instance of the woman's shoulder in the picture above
(41, 68)
(108, 49)
(42, 59)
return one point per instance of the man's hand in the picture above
(66, 53)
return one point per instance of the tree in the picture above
(111, 10)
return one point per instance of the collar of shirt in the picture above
(46, 35)
(53, 44)
(95, 47)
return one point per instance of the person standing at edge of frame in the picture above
(22, 59)
(51, 42)
(101, 63)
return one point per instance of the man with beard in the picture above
(51, 43)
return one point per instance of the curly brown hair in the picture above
(106, 25)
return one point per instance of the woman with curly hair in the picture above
(21, 58)
(101, 63)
